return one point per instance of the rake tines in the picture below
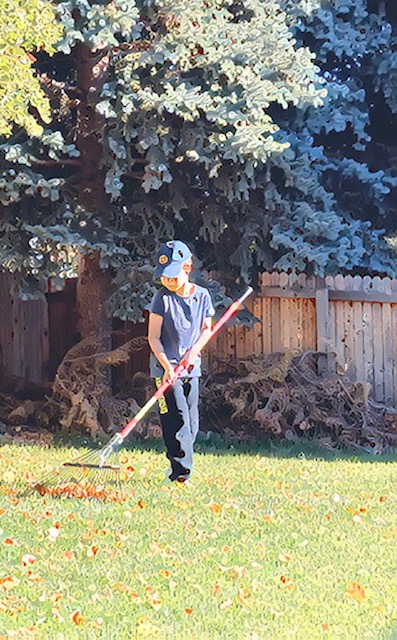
(91, 476)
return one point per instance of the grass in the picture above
(267, 543)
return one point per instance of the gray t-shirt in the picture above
(183, 321)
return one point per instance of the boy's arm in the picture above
(154, 339)
(203, 339)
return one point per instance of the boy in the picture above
(181, 313)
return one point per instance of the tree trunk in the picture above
(93, 283)
(92, 292)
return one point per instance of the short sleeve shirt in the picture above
(183, 321)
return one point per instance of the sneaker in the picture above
(186, 482)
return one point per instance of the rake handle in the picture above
(182, 366)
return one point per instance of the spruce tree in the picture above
(251, 129)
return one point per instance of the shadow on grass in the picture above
(218, 445)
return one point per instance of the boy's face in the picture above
(174, 284)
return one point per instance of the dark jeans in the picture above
(179, 419)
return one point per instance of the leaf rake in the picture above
(97, 473)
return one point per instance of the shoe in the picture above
(180, 475)
(185, 482)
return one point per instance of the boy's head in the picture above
(170, 258)
(173, 264)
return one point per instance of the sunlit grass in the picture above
(267, 543)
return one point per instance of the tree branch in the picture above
(53, 163)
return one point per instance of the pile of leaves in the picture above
(284, 395)
(81, 399)
(82, 386)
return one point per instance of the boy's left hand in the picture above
(191, 358)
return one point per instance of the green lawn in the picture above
(265, 543)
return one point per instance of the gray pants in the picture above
(179, 419)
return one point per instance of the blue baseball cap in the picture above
(170, 258)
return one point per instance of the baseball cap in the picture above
(170, 258)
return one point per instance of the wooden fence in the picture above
(350, 319)
(24, 334)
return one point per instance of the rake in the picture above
(97, 473)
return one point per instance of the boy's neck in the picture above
(185, 290)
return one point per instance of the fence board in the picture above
(394, 343)
(340, 336)
(378, 352)
(285, 331)
(258, 327)
(368, 344)
(267, 325)
(358, 352)
(24, 347)
(388, 359)
(349, 339)
(275, 328)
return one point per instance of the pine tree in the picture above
(243, 127)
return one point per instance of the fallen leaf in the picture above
(356, 591)
(57, 615)
(226, 604)
(53, 533)
(9, 541)
(216, 508)
(34, 577)
(77, 618)
(154, 547)
(9, 582)
(27, 559)
(156, 604)
(284, 557)
(142, 504)
(287, 583)
(242, 596)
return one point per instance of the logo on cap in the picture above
(163, 259)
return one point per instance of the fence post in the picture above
(322, 324)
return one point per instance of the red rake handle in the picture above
(182, 365)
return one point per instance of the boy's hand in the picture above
(169, 374)
(191, 358)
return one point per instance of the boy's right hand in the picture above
(169, 374)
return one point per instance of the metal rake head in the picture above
(87, 477)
